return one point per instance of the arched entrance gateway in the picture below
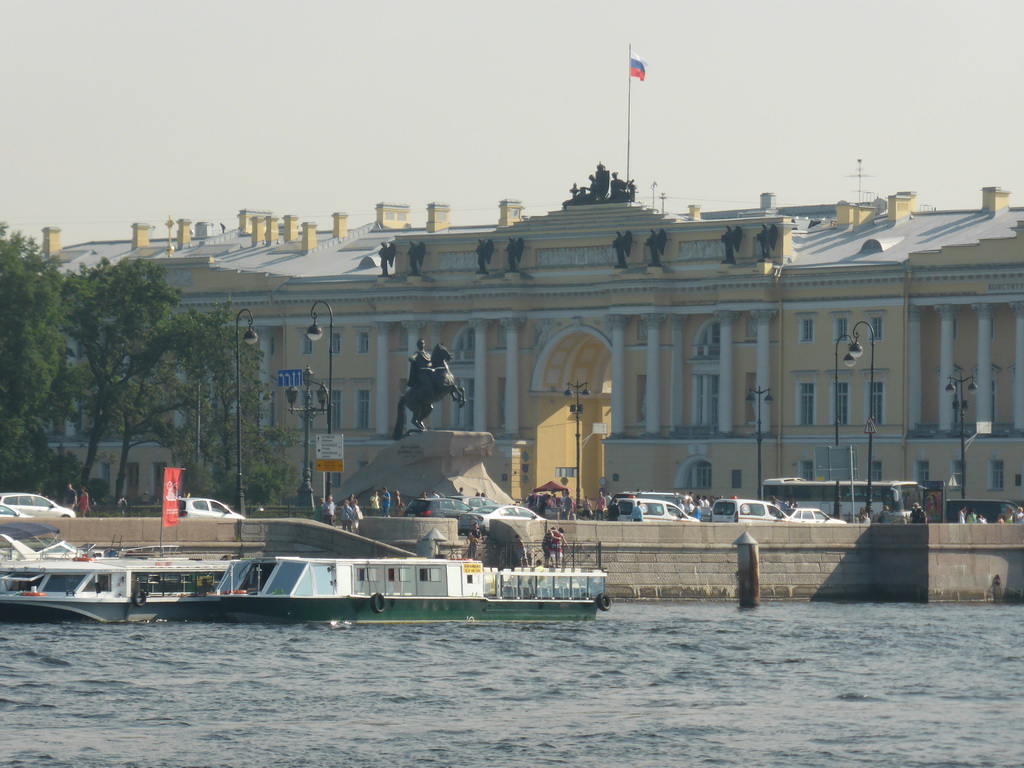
(573, 367)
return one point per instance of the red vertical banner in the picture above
(172, 482)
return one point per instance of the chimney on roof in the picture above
(439, 217)
(901, 205)
(308, 236)
(51, 241)
(393, 216)
(694, 213)
(510, 212)
(243, 221)
(258, 230)
(140, 236)
(291, 228)
(340, 225)
(204, 229)
(184, 233)
(853, 215)
(767, 201)
(994, 199)
(270, 229)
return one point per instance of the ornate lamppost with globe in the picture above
(307, 412)
(578, 388)
(960, 406)
(250, 338)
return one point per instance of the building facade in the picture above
(709, 332)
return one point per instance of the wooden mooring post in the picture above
(748, 572)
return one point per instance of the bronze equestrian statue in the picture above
(428, 385)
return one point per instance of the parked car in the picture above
(810, 515)
(655, 510)
(192, 508)
(476, 501)
(34, 506)
(483, 516)
(6, 511)
(436, 507)
(745, 511)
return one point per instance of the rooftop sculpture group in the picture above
(604, 187)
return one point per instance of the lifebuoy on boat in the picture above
(377, 602)
(139, 597)
(603, 601)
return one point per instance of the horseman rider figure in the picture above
(430, 379)
(418, 362)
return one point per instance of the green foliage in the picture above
(32, 360)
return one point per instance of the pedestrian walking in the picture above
(83, 502)
(327, 511)
(385, 503)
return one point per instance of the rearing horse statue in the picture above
(435, 382)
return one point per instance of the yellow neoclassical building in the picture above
(708, 321)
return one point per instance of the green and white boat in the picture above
(404, 590)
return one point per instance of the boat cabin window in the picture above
(286, 578)
(22, 582)
(63, 582)
(430, 574)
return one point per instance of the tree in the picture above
(203, 440)
(32, 361)
(122, 316)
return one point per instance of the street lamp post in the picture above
(960, 404)
(250, 338)
(577, 410)
(313, 333)
(855, 351)
(835, 397)
(307, 412)
(757, 395)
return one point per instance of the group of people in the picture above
(351, 514)
(968, 515)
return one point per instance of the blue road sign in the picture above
(289, 377)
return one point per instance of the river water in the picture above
(647, 684)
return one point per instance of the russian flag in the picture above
(637, 66)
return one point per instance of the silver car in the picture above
(34, 506)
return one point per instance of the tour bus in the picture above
(891, 500)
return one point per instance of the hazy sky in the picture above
(117, 112)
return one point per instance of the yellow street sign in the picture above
(330, 465)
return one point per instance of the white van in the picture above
(745, 511)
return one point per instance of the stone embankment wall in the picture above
(652, 560)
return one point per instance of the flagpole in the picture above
(629, 106)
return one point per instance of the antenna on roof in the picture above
(860, 176)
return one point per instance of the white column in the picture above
(382, 404)
(983, 402)
(512, 326)
(479, 374)
(675, 402)
(948, 314)
(763, 374)
(652, 397)
(725, 375)
(1018, 366)
(913, 367)
(617, 323)
(413, 329)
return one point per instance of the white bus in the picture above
(891, 500)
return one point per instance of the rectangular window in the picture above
(272, 345)
(995, 475)
(876, 473)
(305, 344)
(806, 330)
(842, 402)
(737, 479)
(807, 469)
(878, 326)
(705, 401)
(805, 404)
(958, 472)
(702, 475)
(336, 343)
(922, 470)
(840, 327)
(363, 342)
(362, 409)
(336, 412)
(877, 404)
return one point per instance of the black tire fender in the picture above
(603, 602)
(139, 597)
(377, 603)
